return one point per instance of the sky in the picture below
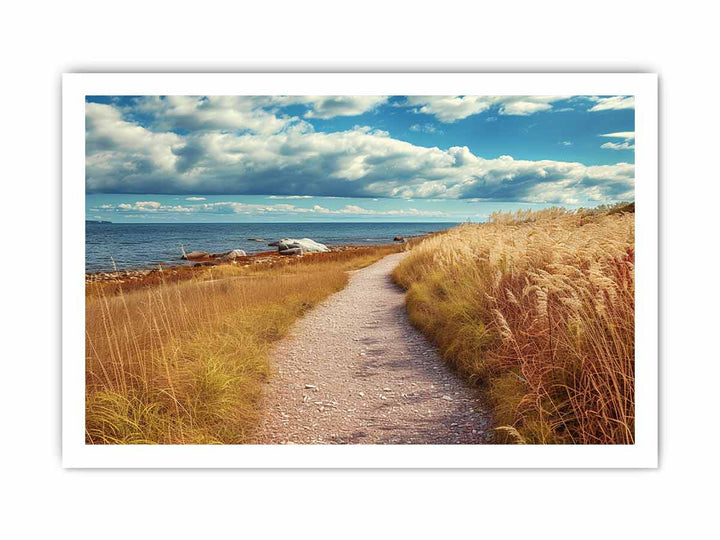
(353, 158)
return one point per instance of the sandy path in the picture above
(355, 371)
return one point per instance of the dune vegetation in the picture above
(539, 308)
(184, 361)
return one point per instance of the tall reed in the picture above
(539, 307)
(185, 362)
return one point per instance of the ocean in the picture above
(142, 245)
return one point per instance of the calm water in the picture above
(139, 245)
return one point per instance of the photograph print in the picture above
(359, 269)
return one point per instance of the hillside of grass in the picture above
(539, 308)
(184, 361)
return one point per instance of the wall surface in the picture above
(41, 42)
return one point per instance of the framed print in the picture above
(360, 270)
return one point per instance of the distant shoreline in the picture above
(94, 222)
(181, 269)
(120, 246)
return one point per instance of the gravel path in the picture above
(355, 371)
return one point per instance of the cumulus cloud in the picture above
(425, 128)
(145, 206)
(627, 144)
(331, 106)
(612, 103)
(452, 108)
(124, 156)
(231, 207)
(116, 148)
(256, 114)
(618, 146)
(620, 135)
(194, 113)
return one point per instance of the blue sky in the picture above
(353, 158)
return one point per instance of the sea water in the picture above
(143, 245)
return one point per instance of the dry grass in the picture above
(184, 361)
(539, 307)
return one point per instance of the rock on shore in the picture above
(291, 251)
(232, 255)
(195, 255)
(305, 244)
(211, 259)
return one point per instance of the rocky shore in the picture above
(185, 268)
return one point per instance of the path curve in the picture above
(354, 370)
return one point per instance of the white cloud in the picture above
(231, 207)
(115, 148)
(425, 128)
(353, 209)
(627, 135)
(147, 204)
(525, 106)
(140, 206)
(124, 157)
(192, 113)
(612, 103)
(618, 146)
(325, 107)
(255, 114)
(627, 144)
(452, 108)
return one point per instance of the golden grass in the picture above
(539, 307)
(184, 361)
